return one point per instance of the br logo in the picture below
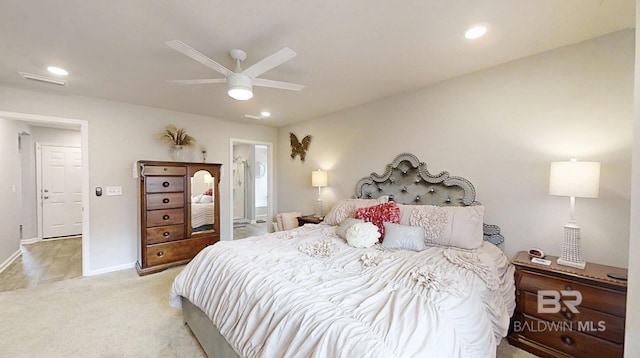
(549, 300)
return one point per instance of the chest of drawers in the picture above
(167, 233)
(567, 312)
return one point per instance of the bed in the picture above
(308, 292)
(202, 213)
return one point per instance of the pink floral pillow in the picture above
(379, 214)
(208, 192)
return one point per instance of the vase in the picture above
(176, 153)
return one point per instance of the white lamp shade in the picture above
(318, 178)
(577, 179)
(208, 178)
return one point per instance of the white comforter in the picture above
(201, 214)
(306, 293)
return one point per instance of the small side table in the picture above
(309, 219)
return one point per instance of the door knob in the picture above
(46, 190)
(46, 197)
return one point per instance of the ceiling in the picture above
(349, 52)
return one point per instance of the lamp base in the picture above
(580, 264)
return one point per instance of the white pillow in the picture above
(403, 237)
(346, 224)
(346, 208)
(457, 226)
(196, 198)
(362, 235)
(206, 199)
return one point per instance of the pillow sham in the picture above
(346, 224)
(456, 226)
(362, 235)
(403, 237)
(347, 208)
(208, 192)
(379, 214)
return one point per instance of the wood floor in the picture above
(246, 230)
(56, 260)
(43, 262)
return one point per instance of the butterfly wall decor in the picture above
(299, 147)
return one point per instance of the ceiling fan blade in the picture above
(270, 62)
(252, 116)
(276, 84)
(199, 82)
(194, 54)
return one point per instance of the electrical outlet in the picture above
(114, 190)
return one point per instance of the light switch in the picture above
(114, 190)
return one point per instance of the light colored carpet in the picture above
(111, 315)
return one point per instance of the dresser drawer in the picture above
(569, 341)
(165, 217)
(586, 320)
(597, 298)
(163, 170)
(164, 184)
(162, 234)
(175, 251)
(165, 201)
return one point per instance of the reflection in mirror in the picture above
(202, 203)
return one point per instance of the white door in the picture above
(61, 191)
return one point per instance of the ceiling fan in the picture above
(239, 82)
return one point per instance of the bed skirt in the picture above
(206, 332)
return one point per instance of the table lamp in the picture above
(319, 179)
(575, 180)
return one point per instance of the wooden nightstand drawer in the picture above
(544, 323)
(592, 297)
(569, 341)
(586, 320)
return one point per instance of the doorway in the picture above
(250, 187)
(31, 231)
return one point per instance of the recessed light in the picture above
(265, 114)
(475, 32)
(57, 71)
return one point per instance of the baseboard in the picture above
(32, 240)
(10, 260)
(111, 269)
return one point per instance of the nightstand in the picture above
(309, 219)
(580, 314)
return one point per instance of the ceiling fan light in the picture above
(239, 87)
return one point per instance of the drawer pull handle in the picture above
(166, 217)
(567, 340)
(166, 234)
(165, 200)
(165, 184)
(160, 253)
(165, 169)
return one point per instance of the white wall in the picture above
(10, 189)
(632, 324)
(119, 135)
(500, 128)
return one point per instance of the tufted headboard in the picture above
(407, 181)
